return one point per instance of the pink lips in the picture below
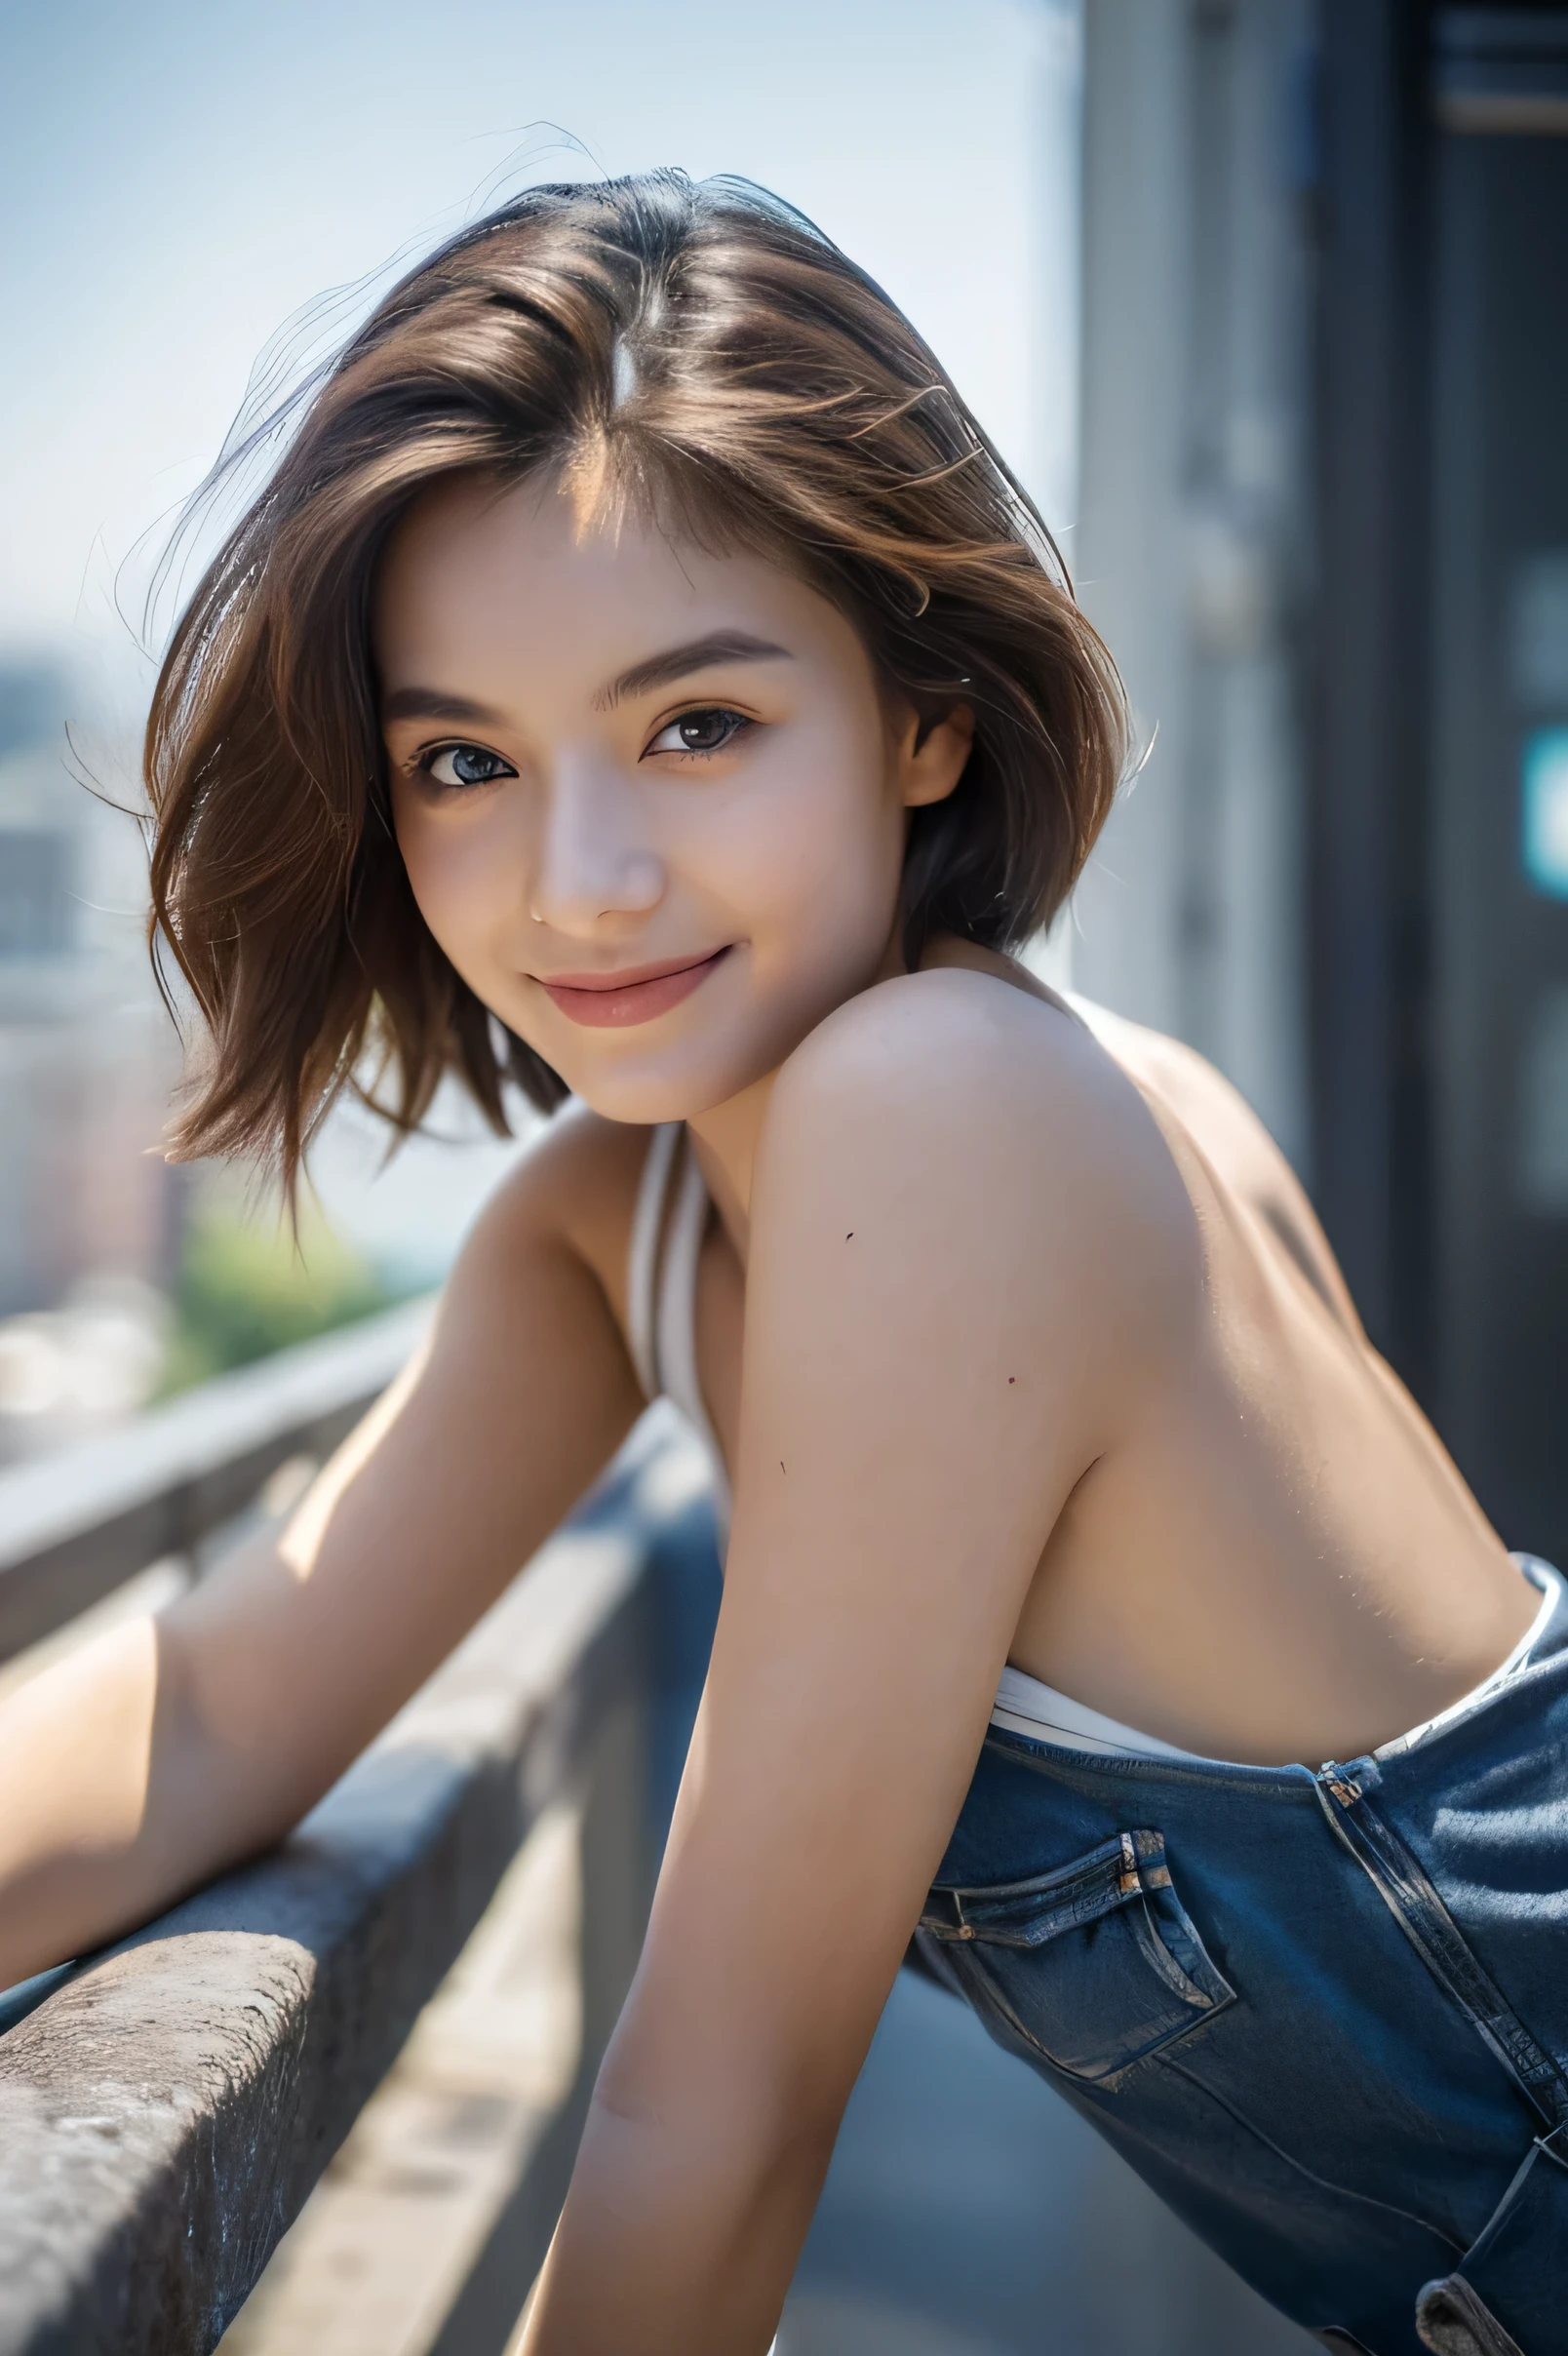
(605, 1001)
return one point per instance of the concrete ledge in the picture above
(77, 1522)
(164, 2115)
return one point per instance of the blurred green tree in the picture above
(247, 1288)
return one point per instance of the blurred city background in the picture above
(1264, 300)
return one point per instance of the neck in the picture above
(725, 1140)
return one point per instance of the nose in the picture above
(596, 859)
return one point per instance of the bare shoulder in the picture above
(973, 1066)
(1234, 1141)
(575, 1189)
(976, 1112)
(1216, 1111)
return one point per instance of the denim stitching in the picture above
(1343, 2192)
(1110, 2079)
(1406, 1889)
(1093, 1769)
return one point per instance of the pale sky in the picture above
(178, 177)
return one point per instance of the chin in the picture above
(645, 1090)
(643, 1085)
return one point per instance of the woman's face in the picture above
(651, 801)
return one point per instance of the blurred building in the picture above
(1324, 526)
(1192, 549)
(88, 1207)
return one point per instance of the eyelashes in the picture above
(693, 735)
(455, 765)
(705, 728)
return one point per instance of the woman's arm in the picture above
(173, 1747)
(945, 1321)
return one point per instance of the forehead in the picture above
(478, 575)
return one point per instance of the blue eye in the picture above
(458, 765)
(705, 730)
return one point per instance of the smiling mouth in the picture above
(609, 1000)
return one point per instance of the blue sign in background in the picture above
(1544, 782)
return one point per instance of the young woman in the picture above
(642, 676)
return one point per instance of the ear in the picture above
(932, 753)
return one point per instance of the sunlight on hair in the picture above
(590, 480)
(695, 354)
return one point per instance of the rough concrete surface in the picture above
(164, 2116)
(381, 2254)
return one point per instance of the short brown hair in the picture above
(779, 402)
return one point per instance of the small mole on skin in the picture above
(1012, 1378)
(781, 1463)
(851, 1231)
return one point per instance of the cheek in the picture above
(458, 876)
(823, 871)
(811, 842)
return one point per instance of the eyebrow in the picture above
(429, 703)
(658, 671)
(678, 662)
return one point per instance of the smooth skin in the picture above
(1019, 1337)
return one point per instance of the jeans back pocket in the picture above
(1093, 1966)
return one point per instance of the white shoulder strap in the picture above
(677, 1337)
(643, 1259)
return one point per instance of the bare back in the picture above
(1283, 1562)
(1278, 1559)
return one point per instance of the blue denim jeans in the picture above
(1323, 2015)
